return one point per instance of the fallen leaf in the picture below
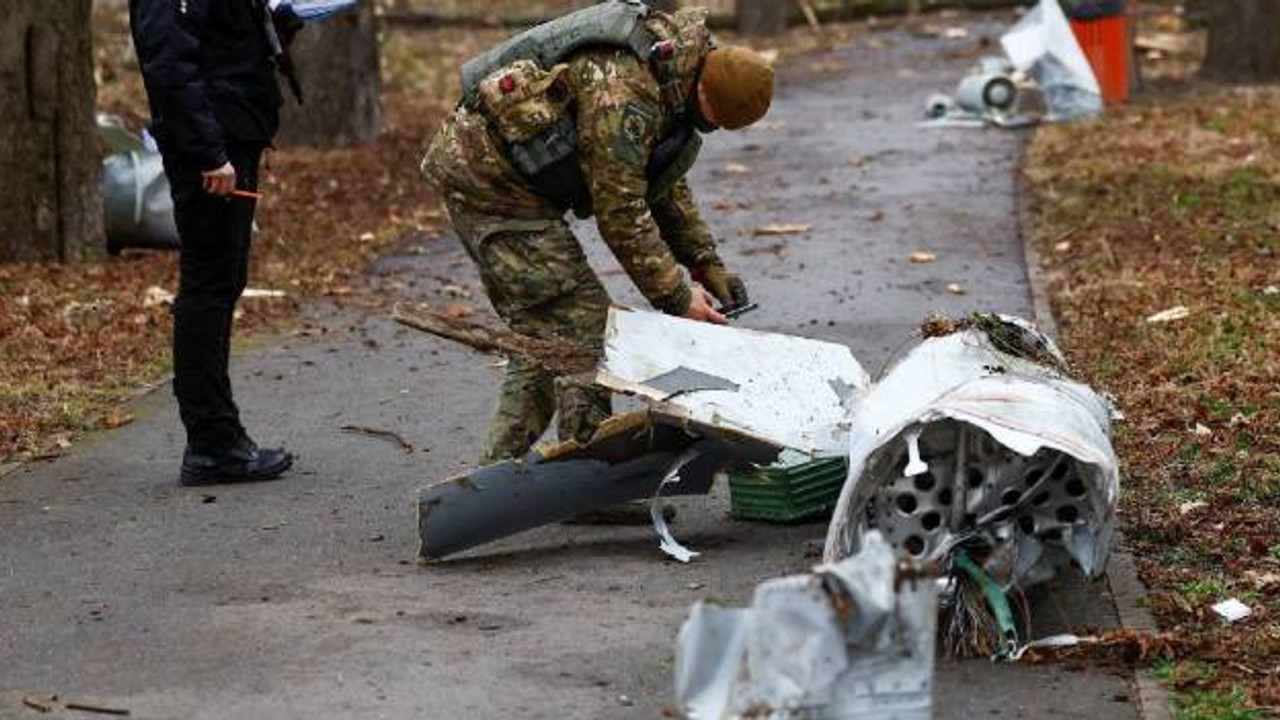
(735, 168)
(1063, 246)
(956, 289)
(921, 257)
(117, 419)
(1187, 508)
(783, 229)
(156, 296)
(1262, 580)
(857, 159)
(877, 216)
(1179, 312)
(1201, 430)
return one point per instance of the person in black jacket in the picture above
(210, 77)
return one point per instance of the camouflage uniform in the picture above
(532, 267)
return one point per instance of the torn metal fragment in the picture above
(666, 541)
(684, 380)
(627, 460)
(779, 389)
(854, 640)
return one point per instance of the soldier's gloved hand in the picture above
(728, 288)
(700, 307)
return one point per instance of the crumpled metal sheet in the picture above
(850, 641)
(1043, 45)
(961, 444)
(784, 390)
(632, 457)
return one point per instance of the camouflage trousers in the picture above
(539, 282)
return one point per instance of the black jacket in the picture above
(209, 75)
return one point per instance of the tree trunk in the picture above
(337, 60)
(1244, 41)
(50, 159)
(668, 6)
(762, 17)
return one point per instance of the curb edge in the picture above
(1128, 594)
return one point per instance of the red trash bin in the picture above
(1102, 29)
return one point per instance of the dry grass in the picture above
(1160, 205)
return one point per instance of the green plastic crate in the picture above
(794, 488)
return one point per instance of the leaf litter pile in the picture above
(1159, 229)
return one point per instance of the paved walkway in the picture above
(298, 599)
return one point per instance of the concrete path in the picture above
(298, 599)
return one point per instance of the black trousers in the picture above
(214, 269)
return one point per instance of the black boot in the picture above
(243, 462)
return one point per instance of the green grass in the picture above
(1213, 705)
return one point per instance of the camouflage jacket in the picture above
(620, 114)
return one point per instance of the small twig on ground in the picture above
(39, 704)
(99, 709)
(391, 435)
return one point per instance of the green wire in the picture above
(996, 598)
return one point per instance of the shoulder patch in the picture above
(637, 124)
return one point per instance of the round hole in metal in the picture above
(915, 545)
(931, 521)
(907, 503)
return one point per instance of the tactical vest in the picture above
(549, 161)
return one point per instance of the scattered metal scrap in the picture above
(974, 445)
(852, 640)
(1042, 54)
